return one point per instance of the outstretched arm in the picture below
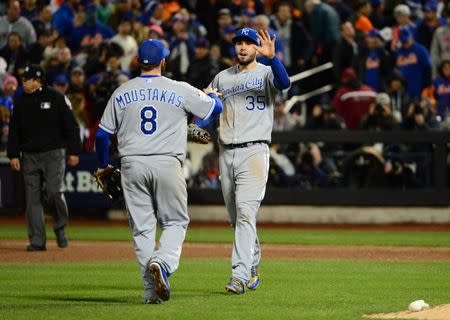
(267, 49)
(218, 107)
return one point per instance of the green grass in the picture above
(267, 235)
(289, 290)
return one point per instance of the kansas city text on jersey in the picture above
(255, 83)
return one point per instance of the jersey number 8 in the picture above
(149, 115)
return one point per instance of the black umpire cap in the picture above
(33, 71)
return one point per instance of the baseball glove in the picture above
(109, 182)
(197, 134)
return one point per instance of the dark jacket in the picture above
(43, 121)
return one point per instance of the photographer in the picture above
(421, 117)
(380, 116)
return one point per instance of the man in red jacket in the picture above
(353, 100)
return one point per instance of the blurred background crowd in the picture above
(391, 71)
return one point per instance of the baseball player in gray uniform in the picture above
(149, 115)
(248, 94)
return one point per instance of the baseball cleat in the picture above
(153, 301)
(162, 286)
(253, 283)
(235, 286)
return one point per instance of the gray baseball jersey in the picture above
(248, 97)
(149, 115)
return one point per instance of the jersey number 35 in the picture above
(259, 103)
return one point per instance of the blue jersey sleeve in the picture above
(102, 147)
(218, 107)
(281, 79)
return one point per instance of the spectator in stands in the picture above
(129, 45)
(402, 15)
(440, 91)
(342, 8)
(208, 175)
(413, 61)
(61, 83)
(9, 87)
(76, 81)
(91, 32)
(353, 100)
(223, 20)
(323, 25)
(427, 26)
(64, 65)
(347, 53)
(245, 19)
(122, 11)
(420, 117)
(12, 21)
(36, 50)
(155, 32)
(201, 69)
(226, 44)
(324, 117)
(315, 170)
(295, 42)
(44, 22)
(14, 53)
(282, 121)
(377, 62)
(104, 11)
(378, 16)
(29, 10)
(400, 99)
(360, 20)
(64, 18)
(216, 58)
(380, 116)
(440, 45)
(182, 48)
(193, 25)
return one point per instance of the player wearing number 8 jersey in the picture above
(149, 115)
(248, 94)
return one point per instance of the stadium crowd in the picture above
(391, 71)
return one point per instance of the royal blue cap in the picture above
(374, 33)
(430, 6)
(248, 34)
(229, 29)
(404, 34)
(61, 79)
(152, 51)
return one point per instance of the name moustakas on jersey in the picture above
(149, 94)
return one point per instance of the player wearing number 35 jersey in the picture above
(248, 93)
(149, 115)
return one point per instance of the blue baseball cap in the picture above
(404, 34)
(247, 34)
(152, 51)
(430, 6)
(61, 79)
(374, 33)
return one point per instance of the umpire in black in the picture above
(42, 127)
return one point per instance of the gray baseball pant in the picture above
(243, 176)
(155, 192)
(43, 174)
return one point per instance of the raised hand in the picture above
(267, 47)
